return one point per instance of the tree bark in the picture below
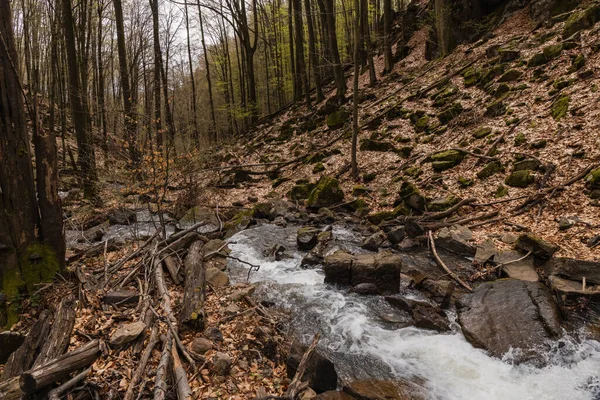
(313, 51)
(211, 101)
(57, 342)
(387, 37)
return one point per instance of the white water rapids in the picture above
(362, 346)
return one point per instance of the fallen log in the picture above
(10, 389)
(192, 313)
(141, 368)
(57, 393)
(45, 375)
(171, 266)
(57, 341)
(160, 381)
(451, 210)
(180, 376)
(22, 359)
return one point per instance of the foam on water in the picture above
(449, 367)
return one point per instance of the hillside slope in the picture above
(525, 99)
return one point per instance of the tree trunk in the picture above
(357, 30)
(443, 24)
(211, 101)
(387, 36)
(86, 160)
(195, 133)
(340, 81)
(300, 62)
(313, 51)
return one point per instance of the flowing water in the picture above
(363, 345)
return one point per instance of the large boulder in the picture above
(573, 269)
(372, 389)
(381, 269)
(540, 248)
(509, 314)
(320, 371)
(307, 238)
(327, 193)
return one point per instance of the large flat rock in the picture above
(573, 269)
(523, 269)
(382, 270)
(509, 314)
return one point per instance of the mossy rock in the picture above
(510, 75)
(520, 139)
(585, 74)
(337, 119)
(560, 84)
(465, 182)
(481, 132)
(452, 155)
(490, 169)
(581, 20)
(442, 203)
(496, 109)
(491, 74)
(360, 190)
(416, 116)
(592, 179)
(326, 193)
(374, 145)
(319, 167)
(552, 51)
(501, 90)
(381, 216)
(413, 172)
(422, 123)
(398, 112)
(560, 108)
(501, 191)
(286, 131)
(519, 179)
(528, 164)
(301, 191)
(450, 113)
(441, 97)
(508, 55)
(411, 197)
(578, 63)
(539, 144)
(471, 76)
(369, 177)
(537, 60)
(441, 166)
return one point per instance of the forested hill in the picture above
(309, 199)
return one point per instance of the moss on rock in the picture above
(442, 203)
(520, 179)
(450, 113)
(593, 179)
(560, 108)
(510, 75)
(374, 145)
(482, 132)
(301, 191)
(581, 20)
(337, 119)
(537, 60)
(452, 155)
(552, 51)
(490, 169)
(326, 193)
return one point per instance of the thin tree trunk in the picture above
(387, 36)
(195, 134)
(357, 30)
(313, 51)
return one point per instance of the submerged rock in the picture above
(509, 314)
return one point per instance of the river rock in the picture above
(523, 270)
(396, 235)
(509, 314)
(539, 248)
(320, 371)
(201, 345)
(485, 251)
(121, 216)
(365, 288)
(239, 295)
(307, 238)
(381, 269)
(216, 278)
(334, 395)
(405, 304)
(126, 333)
(432, 318)
(372, 389)
(374, 242)
(573, 269)
(327, 193)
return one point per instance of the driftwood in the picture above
(22, 359)
(192, 313)
(160, 381)
(57, 393)
(58, 340)
(59, 368)
(297, 386)
(444, 266)
(141, 368)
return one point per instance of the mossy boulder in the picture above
(442, 203)
(326, 193)
(482, 132)
(552, 51)
(537, 60)
(369, 177)
(578, 63)
(501, 90)
(539, 144)
(375, 145)
(528, 164)
(501, 191)
(581, 20)
(520, 139)
(441, 166)
(449, 113)
(519, 179)
(496, 108)
(508, 55)
(452, 155)
(471, 76)
(301, 191)
(337, 119)
(510, 75)
(592, 179)
(319, 167)
(560, 108)
(278, 182)
(286, 131)
(422, 123)
(413, 172)
(410, 195)
(490, 169)
(360, 190)
(540, 248)
(465, 182)
(404, 151)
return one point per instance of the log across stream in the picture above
(363, 343)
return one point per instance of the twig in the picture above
(56, 394)
(296, 385)
(443, 265)
(139, 372)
